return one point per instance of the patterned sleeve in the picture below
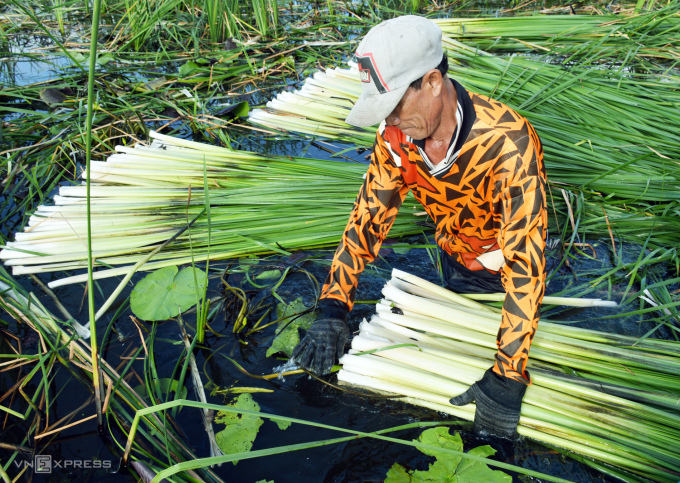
(522, 215)
(373, 214)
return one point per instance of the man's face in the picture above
(417, 113)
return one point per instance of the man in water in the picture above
(477, 168)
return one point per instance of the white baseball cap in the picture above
(393, 54)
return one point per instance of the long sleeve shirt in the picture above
(487, 200)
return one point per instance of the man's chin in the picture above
(413, 134)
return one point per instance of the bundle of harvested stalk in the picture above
(631, 40)
(606, 397)
(232, 204)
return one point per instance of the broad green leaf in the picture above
(164, 293)
(52, 96)
(155, 84)
(438, 471)
(188, 68)
(283, 425)
(483, 451)
(285, 342)
(269, 275)
(240, 109)
(440, 436)
(400, 248)
(469, 471)
(448, 468)
(85, 58)
(104, 59)
(287, 330)
(241, 429)
(397, 474)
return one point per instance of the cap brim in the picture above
(372, 109)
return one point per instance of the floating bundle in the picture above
(243, 203)
(608, 397)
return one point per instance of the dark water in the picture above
(360, 460)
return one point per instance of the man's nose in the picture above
(392, 119)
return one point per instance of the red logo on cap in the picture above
(368, 72)
(364, 74)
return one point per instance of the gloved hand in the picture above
(325, 340)
(498, 400)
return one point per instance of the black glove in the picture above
(498, 400)
(325, 339)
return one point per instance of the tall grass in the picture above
(155, 436)
(219, 15)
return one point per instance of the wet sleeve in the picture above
(371, 218)
(521, 209)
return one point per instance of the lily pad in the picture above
(188, 68)
(240, 109)
(287, 331)
(164, 293)
(283, 425)
(52, 96)
(241, 429)
(448, 468)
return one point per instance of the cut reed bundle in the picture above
(594, 394)
(142, 196)
(632, 40)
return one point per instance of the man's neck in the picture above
(437, 145)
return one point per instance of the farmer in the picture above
(477, 168)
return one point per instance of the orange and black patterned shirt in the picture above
(487, 200)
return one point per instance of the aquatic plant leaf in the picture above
(155, 84)
(398, 474)
(269, 275)
(164, 293)
(287, 330)
(104, 59)
(469, 471)
(84, 58)
(441, 437)
(448, 468)
(52, 96)
(188, 68)
(240, 109)
(284, 342)
(400, 248)
(241, 429)
(283, 425)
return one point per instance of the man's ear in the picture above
(433, 79)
